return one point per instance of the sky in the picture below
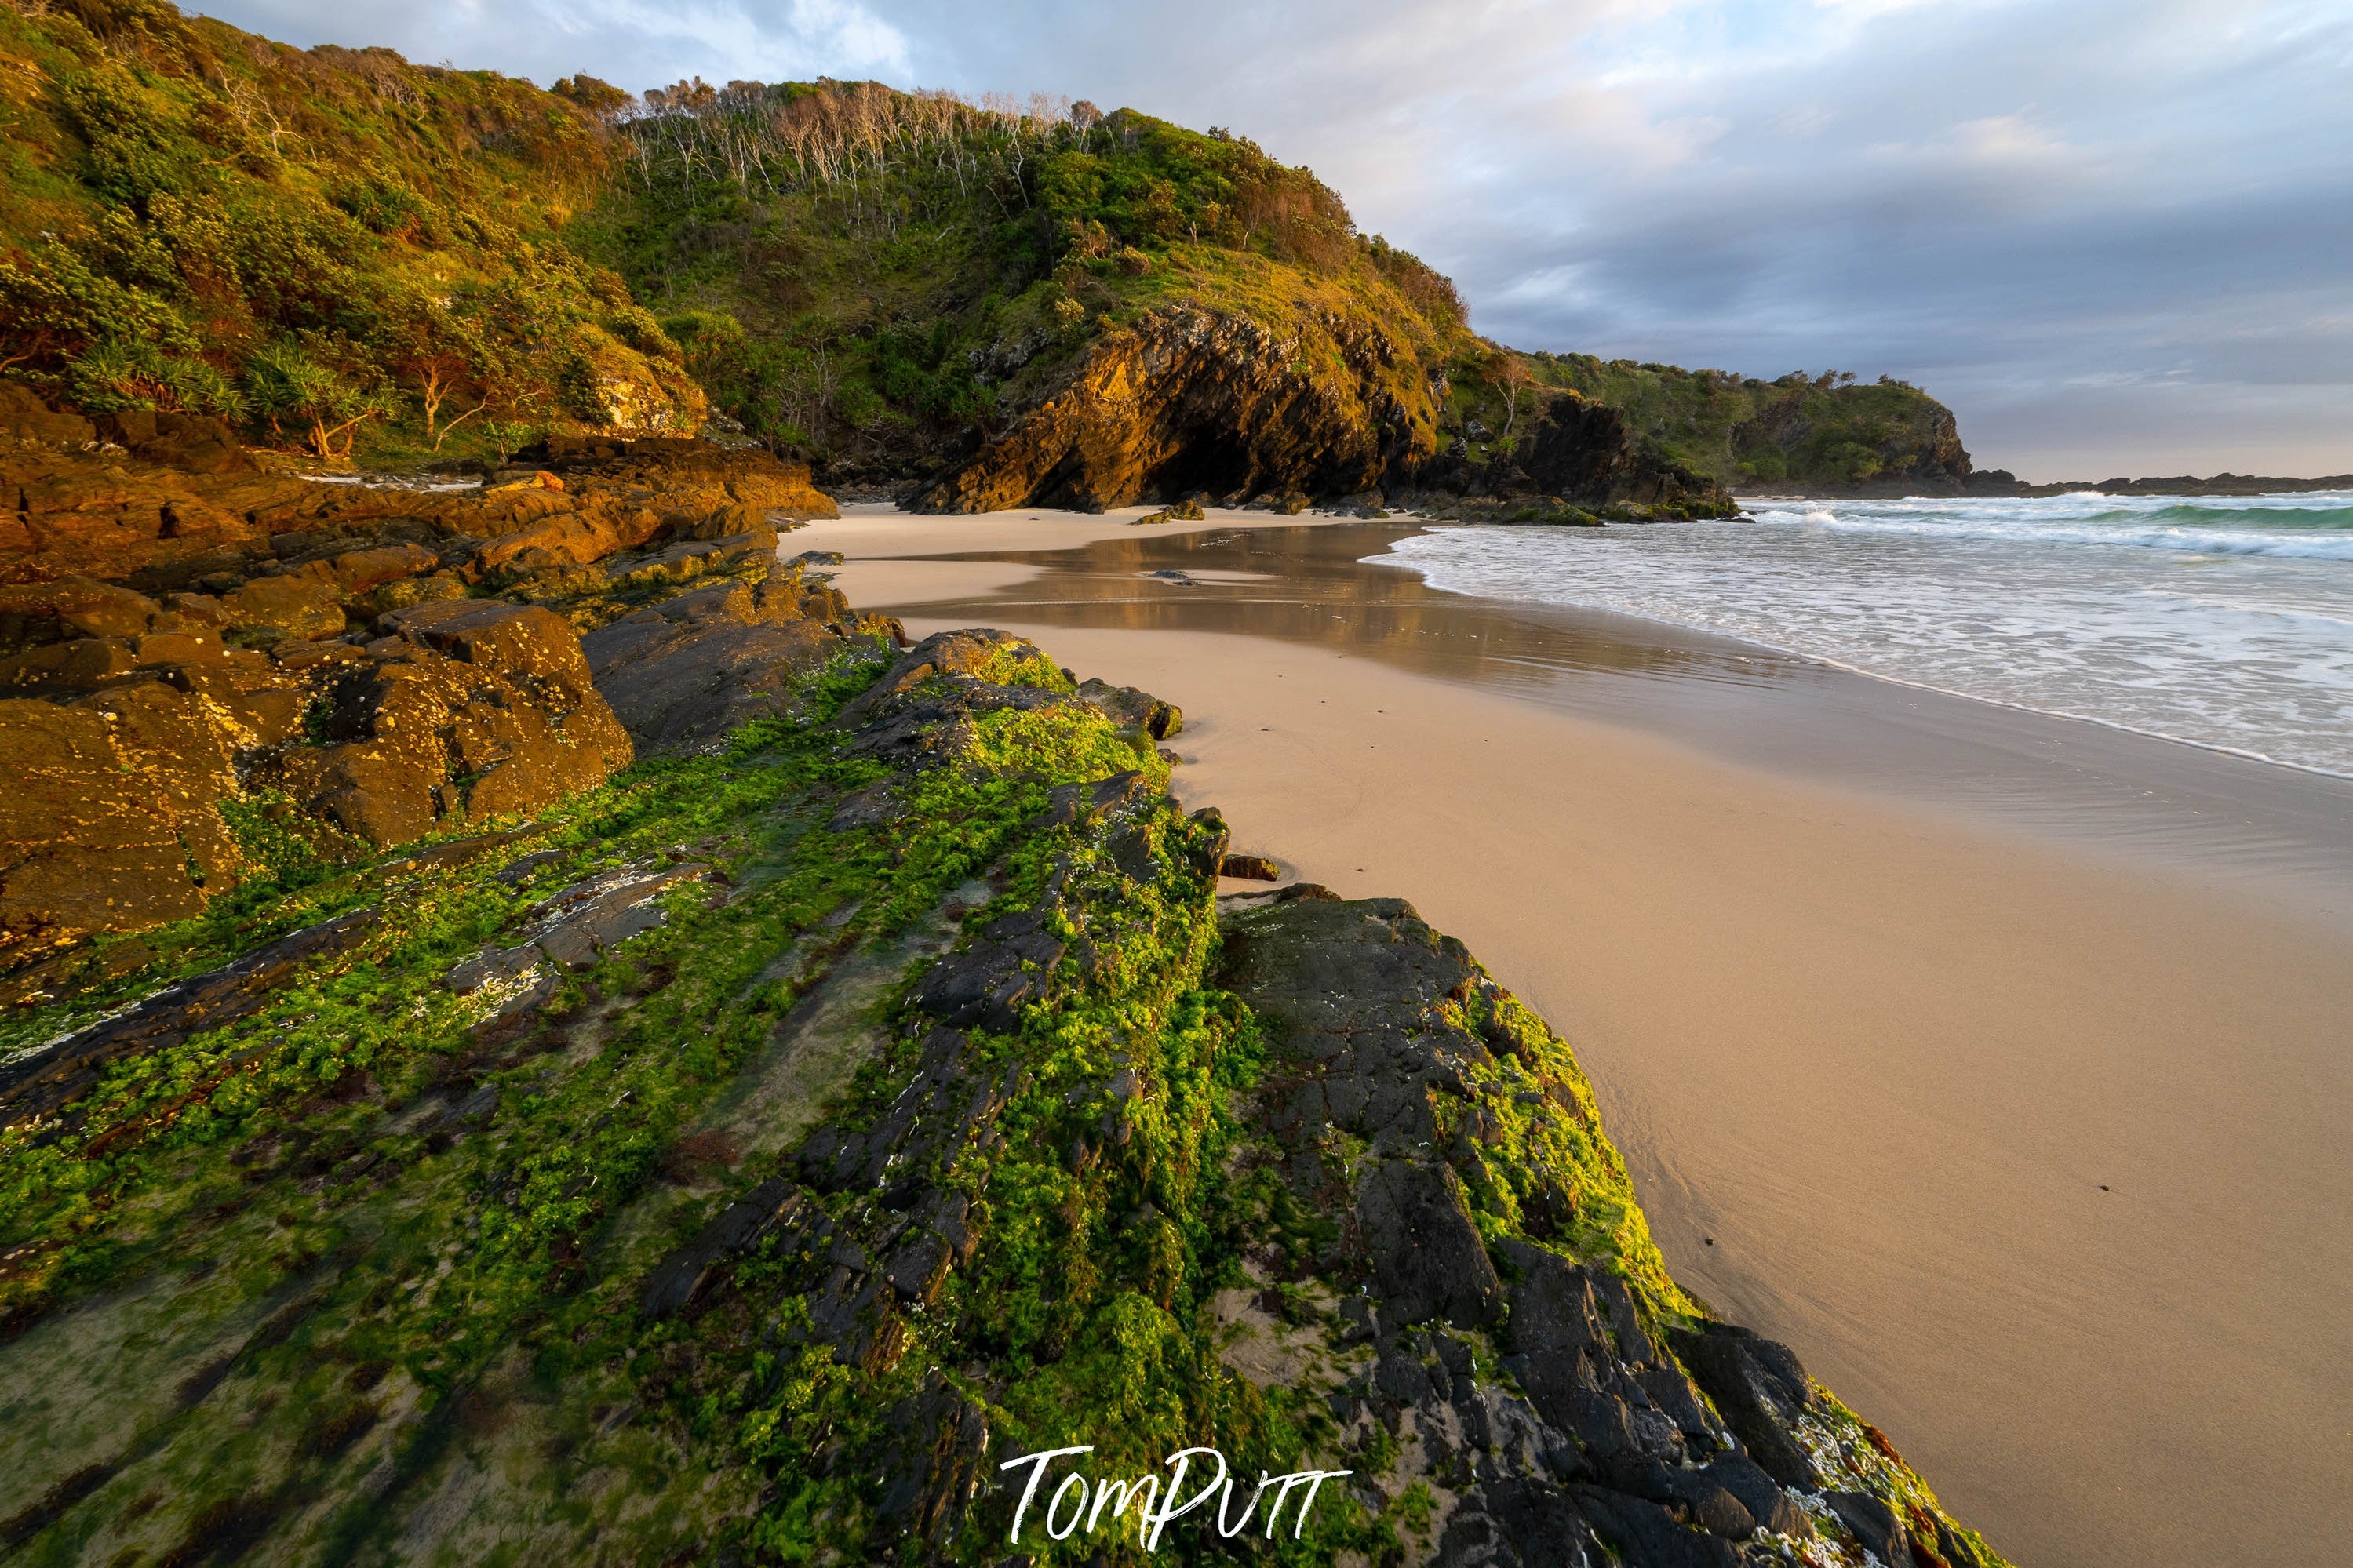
(2115, 236)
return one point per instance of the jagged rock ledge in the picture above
(747, 1156)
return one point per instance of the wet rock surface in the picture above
(35, 1085)
(1426, 1241)
(1126, 705)
(693, 668)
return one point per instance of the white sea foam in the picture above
(2221, 621)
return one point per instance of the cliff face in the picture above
(1575, 449)
(1825, 431)
(1805, 437)
(1192, 402)
(1189, 402)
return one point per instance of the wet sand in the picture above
(1996, 1064)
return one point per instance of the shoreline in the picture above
(2281, 832)
(1884, 1056)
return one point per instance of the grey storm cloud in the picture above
(2115, 235)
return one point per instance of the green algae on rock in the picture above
(747, 1159)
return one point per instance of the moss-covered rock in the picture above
(757, 1152)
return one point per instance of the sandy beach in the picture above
(2025, 1130)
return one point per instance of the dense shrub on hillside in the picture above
(317, 245)
(864, 274)
(348, 254)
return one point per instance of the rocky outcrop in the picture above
(1190, 401)
(25, 420)
(111, 821)
(860, 1108)
(1127, 706)
(691, 669)
(192, 443)
(176, 642)
(1574, 449)
(468, 709)
(1809, 442)
(125, 521)
(1612, 1434)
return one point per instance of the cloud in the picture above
(2109, 232)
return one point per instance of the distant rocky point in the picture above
(2183, 485)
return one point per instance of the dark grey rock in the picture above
(680, 1279)
(1634, 1344)
(1957, 1552)
(693, 668)
(518, 871)
(987, 984)
(1567, 1392)
(1758, 1403)
(1427, 1260)
(1077, 805)
(1553, 1306)
(934, 1443)
(1671, 1392)
(1875, 1524)
(1645, 1535)
(1399, 1374)
(1763, 1497)
(919, 1269)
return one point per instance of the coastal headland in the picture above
(634, 927)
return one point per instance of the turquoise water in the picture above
(2219, 622)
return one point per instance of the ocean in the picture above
(2224, 622)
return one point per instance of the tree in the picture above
(287, 383)
(1507, 372)
(437, 356)
(601, 100)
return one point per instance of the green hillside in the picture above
(337, 250)
(1824, 429)
(343, 253)
(863, 274)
